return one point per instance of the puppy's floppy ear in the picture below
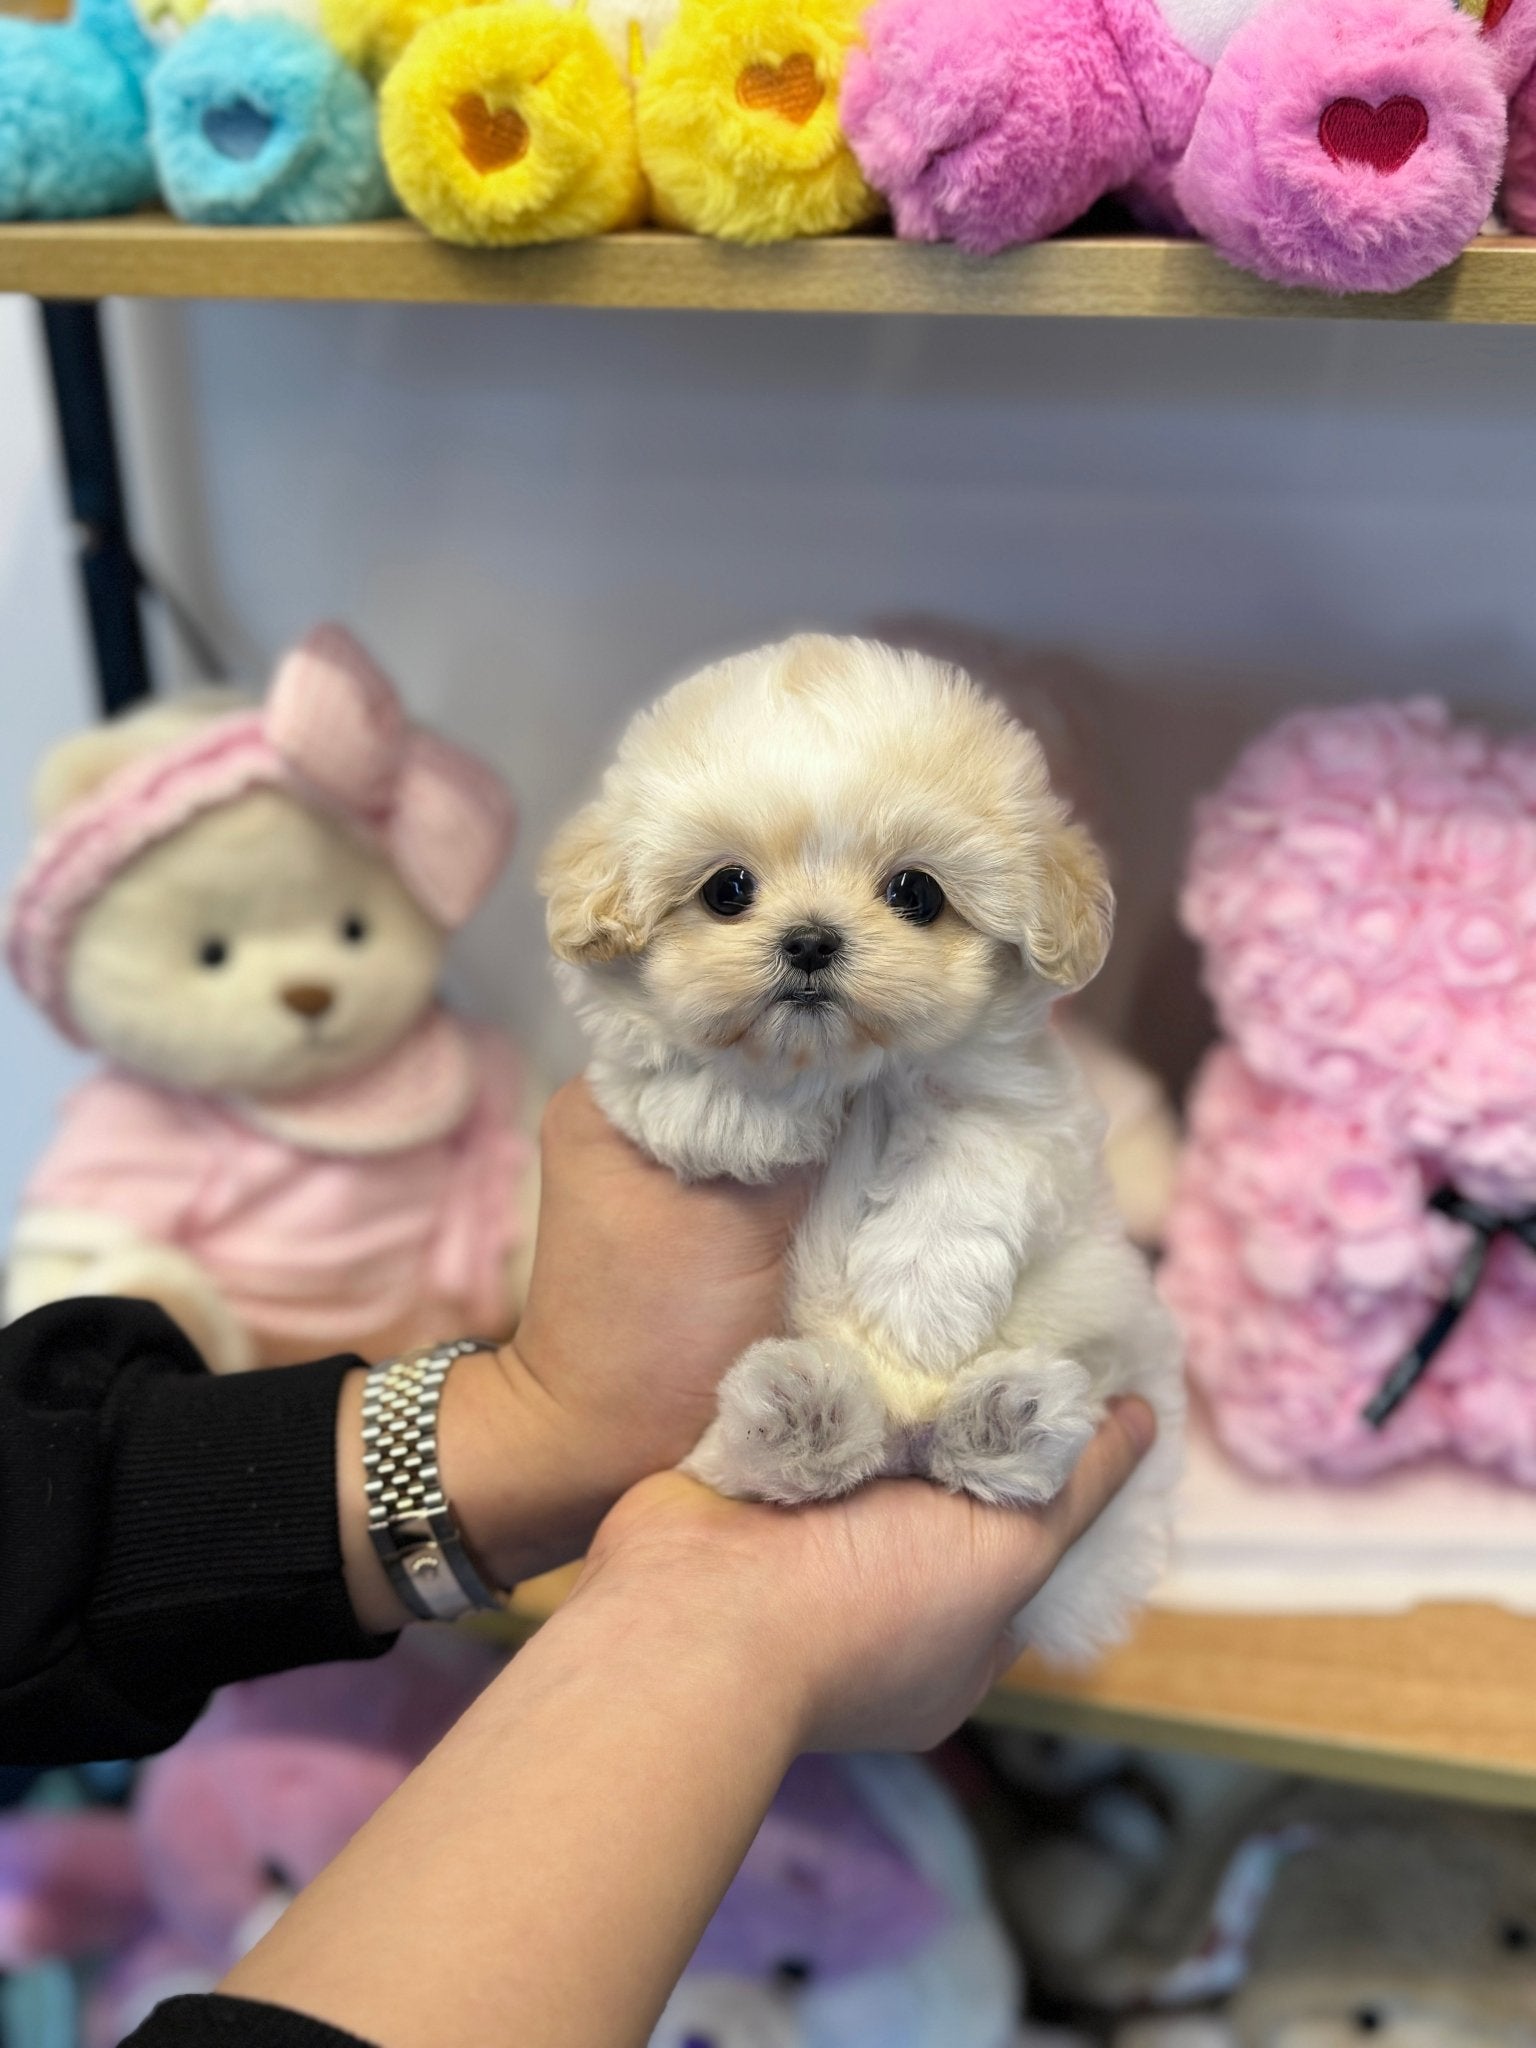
(1070, 916)
(592, 912)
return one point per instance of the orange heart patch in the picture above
(491, 137)
(791, 89)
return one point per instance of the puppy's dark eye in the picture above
(213, 953)
(354, 929)
(1516, 1937)
(914, 896)
(794, 1970)
(728, 892)
(1368, 2020)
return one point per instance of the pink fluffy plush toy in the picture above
(1352, 1245)
(1350, 145)
(225, 1828)
(293, 1144)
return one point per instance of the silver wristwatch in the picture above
(409, 1518)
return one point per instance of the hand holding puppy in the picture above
(880, 1621)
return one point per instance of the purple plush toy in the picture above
(1350, 145)
(858, 1918)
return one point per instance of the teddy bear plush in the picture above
(294, 1146)
(1348, 145)
(233, 113)
(1352, 1246)
(1342, 1914)
(544, 120)
(224, 1829)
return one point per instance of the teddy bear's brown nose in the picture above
(308, 998)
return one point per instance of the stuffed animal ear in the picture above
(1070, 918)
(80, 765)
(593, 909)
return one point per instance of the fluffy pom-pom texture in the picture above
(989, 122)
(740, 135)
(1365, 890)
(505, 124)
(74, 137)
(259, 122)
(1354, 145)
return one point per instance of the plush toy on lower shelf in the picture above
(1338, 1914)
(1352, 1245)
(1345, 145)
(294, 1146)
(524, 121)
(859, 1917)
(242, 114)
(225, 1828)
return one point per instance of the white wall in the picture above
(538, 517)
(43, 694)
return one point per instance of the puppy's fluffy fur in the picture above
(962, 1298)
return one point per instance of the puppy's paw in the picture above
(1011, 1429)
(800, 1419)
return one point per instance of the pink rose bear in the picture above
(1348, 145)
(1352, 1246)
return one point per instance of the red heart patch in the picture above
(1383, 137)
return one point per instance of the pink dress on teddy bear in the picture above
(1352, 1246)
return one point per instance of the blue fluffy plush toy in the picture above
(242, 115)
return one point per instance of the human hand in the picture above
(644, 1289)
(643, 1292)
(880, 1620)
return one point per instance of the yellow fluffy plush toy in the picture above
(515, 121)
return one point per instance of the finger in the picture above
(1117, 1447)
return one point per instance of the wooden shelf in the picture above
(1437, 1701)
(150, 256)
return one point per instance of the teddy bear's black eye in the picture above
(354, 929)
(213, 953)
(914, 896)
(728, 892)
(1368, 2020)
(794, 1970)
(1517, 1937)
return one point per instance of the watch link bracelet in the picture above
(409, 1518)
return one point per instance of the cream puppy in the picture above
(819, 913)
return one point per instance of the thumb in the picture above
(1117, 1447)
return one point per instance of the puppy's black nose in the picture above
(810, 947)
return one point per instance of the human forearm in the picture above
(549, 1869)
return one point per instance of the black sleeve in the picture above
(162, 1531)
(214, 2022)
